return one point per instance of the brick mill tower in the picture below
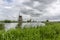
(19, 18)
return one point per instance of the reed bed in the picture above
(51, 31)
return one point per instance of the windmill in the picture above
(20, 17)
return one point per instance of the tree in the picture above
(7, 21)
(47, 20)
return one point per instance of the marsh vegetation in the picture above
(51, 31)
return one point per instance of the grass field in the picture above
(51, 31)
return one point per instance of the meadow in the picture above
(51, 31)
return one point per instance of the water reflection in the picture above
(10, 26)
(21, 25)
(27, 25)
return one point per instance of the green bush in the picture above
(7, 21)
(1, 26)
(47, 20)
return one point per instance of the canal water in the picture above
(8, 26)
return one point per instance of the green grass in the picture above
(49, 32)
(1, 26)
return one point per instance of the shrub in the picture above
(7, 21)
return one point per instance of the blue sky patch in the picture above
(8, 1)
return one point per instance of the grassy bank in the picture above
(1, 26)
(49, 32)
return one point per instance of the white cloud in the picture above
(36, 4)
(8, 7)
(1, 2)
(11, 11)
(52, 11)
(54, 8)
(8, 11)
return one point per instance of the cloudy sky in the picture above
(34, 9)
